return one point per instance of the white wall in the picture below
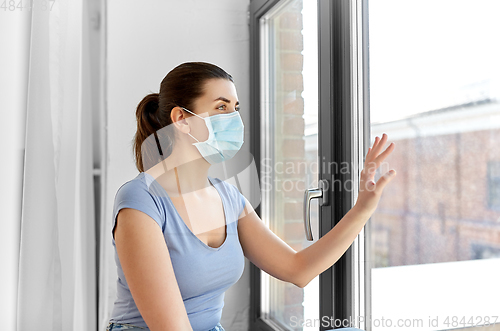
(145, 40)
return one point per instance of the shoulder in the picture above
(139, 188)
(233, 194)
(140, 193)
(227, 186)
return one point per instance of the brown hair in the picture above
(180, 88)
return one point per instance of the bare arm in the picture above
(271, 254)
(321, 255)
(264, 248)
(146, 263)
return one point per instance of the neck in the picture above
(192, 170)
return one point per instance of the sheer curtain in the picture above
(57, 267)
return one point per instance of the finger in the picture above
(370, 150)
(370, 169)
(384, 154)
(385, 179)
(377, 149)
(367, 154)
(367, 185)
(375, 143)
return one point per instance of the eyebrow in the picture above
(226, 100)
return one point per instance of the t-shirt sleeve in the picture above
(238, 197)
(135, 194)
(242, 202)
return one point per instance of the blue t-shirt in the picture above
(203, 273)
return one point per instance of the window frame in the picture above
(343, 100)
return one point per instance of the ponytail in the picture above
(148, 122)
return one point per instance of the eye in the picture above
(223, 107)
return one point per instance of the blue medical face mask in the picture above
(225, 136)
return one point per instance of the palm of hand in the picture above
(369, 191)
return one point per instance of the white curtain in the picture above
(57, 285)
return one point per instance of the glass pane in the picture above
(289, 150)
(435, 91)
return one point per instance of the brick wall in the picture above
(436, 210)
(289, 146)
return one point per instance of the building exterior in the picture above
(444, 204)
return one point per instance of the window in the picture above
(430, 80)
(289, 149)
(434, 89)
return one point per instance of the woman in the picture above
(180, 236)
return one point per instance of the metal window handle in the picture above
(317, 193)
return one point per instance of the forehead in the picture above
(216, 88)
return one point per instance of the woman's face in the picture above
(219, 98)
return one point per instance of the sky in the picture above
(424, 55)
(431, 54)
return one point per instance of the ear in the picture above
(179, 120)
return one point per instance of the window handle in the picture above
(316, 193)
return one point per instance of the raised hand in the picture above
(369, 191)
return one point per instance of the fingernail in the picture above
(392, 173)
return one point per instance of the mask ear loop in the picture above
(194, 115)
(193, 137)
